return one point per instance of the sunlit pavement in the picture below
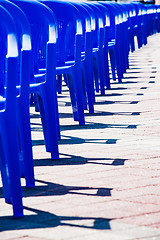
(106, 184)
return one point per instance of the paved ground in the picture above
(106, 184)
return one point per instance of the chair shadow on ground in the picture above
(89, 125)
(116, 102)
(44, 219)
(46, 188)
(39, 219)
(76, 140)
(103, 102)
(96, 113)
(124, 82)
(101, 113)
(68, 160)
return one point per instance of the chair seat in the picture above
(34, 87)
(2, 99)
(95, 50)
(40, 80)
(66, 66)
(63, 68)
(2, 103)
(39, 77)
(112, 43)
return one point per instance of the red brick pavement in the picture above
(106, 183)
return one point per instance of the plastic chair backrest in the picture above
(122, 19)
(113, 19)
(86, 21)
(69, 25)
(151, 18)
(9, 161)
(106, 20)
(8, 50)
(134, 15)
(23, 37)
(92, 18)
(43, 31)
(105, 13)
(99, 24)
(21, 21)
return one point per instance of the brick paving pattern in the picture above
(106, 184)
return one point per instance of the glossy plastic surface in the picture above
(9, 158)
(43, 38)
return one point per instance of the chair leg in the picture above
(139, 37)
(31, 99)
(3, 169)
(96, 74)
(59, 84)
(77, 81)
(26, 141)
(72, 97)
(113, 63)
(106, 68)
(6, 186)
(9, 126)
(12, 160)
(119, 64)
(49, 123)
(101, 70)
(84, 88)
(36, 103)
(132, 44)
(88, 79)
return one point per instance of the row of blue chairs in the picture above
(45, 42)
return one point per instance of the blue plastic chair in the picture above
(106, 23)
(9, 158)
(158, 18)
(69, 52)
(23, 115)
(125, 39)
(94, 39)
(137, 24)
(131, 15)
(144, 24)
(122, 38)
(87, 58)
(114, 39)
(151, 19)
(142, 13)
(102, 28)
(98, 36)
(43, 82)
